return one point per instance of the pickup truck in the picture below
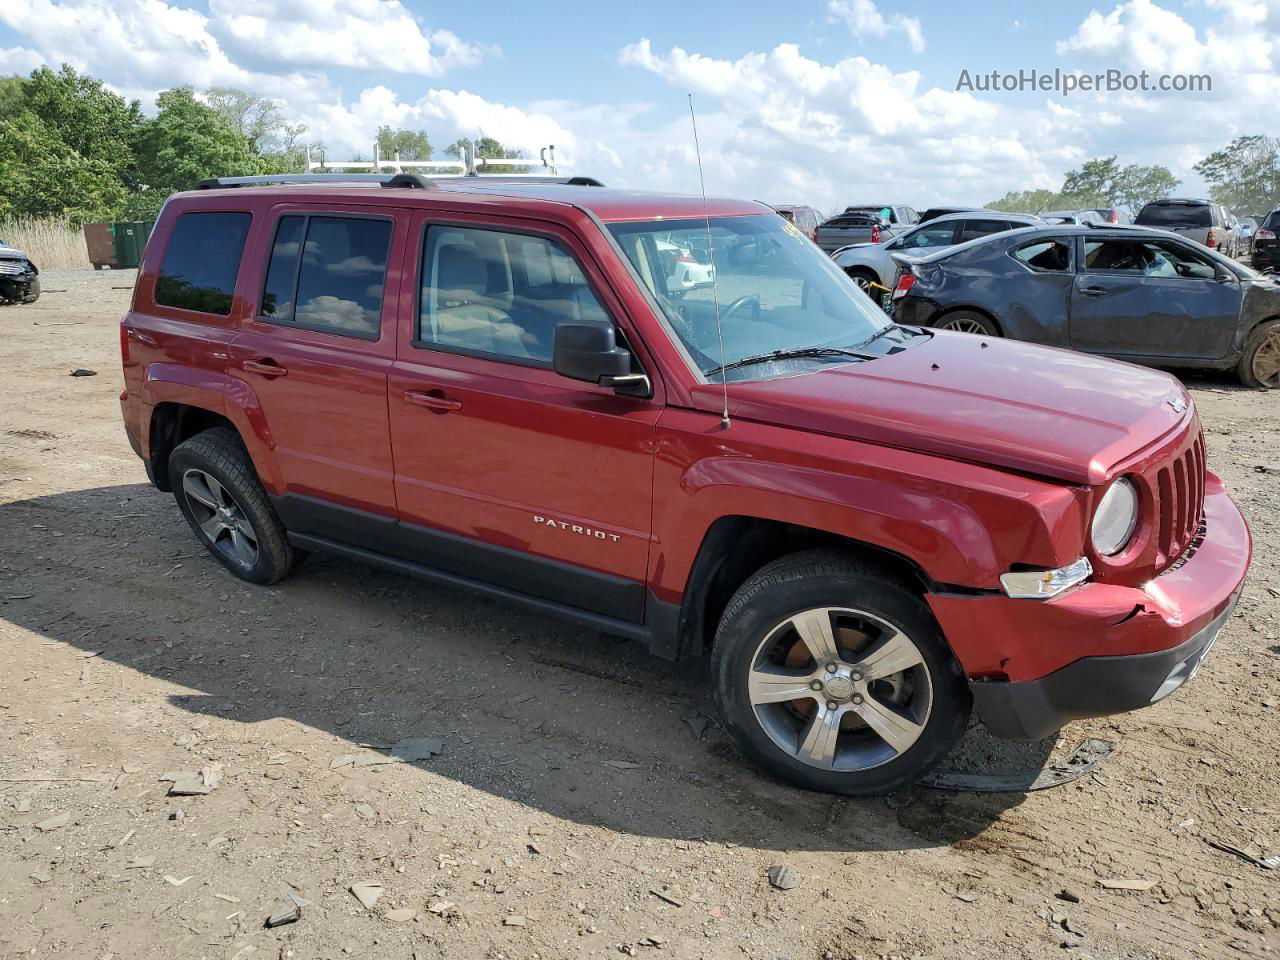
(864, 224)
(870, 530)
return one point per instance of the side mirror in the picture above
(590, 352)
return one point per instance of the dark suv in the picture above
(494, 384)
(1266, 246)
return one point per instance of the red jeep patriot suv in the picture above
(519, 387)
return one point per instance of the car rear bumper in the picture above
(1101, 648)
(1266, 256)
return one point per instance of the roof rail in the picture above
(411, 180)
(218, 183)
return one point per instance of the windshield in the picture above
(1174, 215)
(776, 290)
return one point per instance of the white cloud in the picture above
(19, 60)
(866, 20)
(368, 34)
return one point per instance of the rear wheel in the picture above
(1260, 364)
(864, 280)
(219, 493)
(967, 321)
(835, 677)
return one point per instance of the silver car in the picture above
(1203, 221)
(872, 267)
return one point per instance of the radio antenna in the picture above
(711, 253)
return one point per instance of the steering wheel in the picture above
(750, 301)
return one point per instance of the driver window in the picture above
(499, 294)
(1159, 259)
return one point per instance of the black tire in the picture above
(1264, 339)
(809, 581)
(220, 454)
(967, 321)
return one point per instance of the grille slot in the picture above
(1179, 491)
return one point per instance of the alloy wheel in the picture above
(1266, 361)
(840, 689)
(962, 325)
(221, 519)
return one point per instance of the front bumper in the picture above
(24, 288)
(1101, 648)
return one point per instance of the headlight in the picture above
(1115, 518)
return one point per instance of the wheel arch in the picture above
(968, 308)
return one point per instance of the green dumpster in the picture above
(130, 241)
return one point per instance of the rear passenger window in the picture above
(202, 261)
(327, 274)
(1053, 256)
(981, 228)
(500, 294)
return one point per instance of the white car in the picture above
(871, 265)
(684, 272)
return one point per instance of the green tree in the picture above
(1244, 176)
(1093, 185)
(41, 177)
(1027, 201)
(183, 144)
(488, 148)
(87, 117)
(256, 118)
(1138, 186)
(409, 144)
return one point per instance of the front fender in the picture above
(961, 524)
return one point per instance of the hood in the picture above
(1056, 413)
(9, 253)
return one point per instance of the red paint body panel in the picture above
(965, 460)
(994, 636)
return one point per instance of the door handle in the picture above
(265, 368)
(434, 400)
(1094, 291)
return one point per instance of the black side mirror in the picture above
(590, 352)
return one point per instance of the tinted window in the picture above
(981, 228)
(201, 262)
(874, 212)
(1147, 259)
(1046, 255)
(501, 294)
(1273, 220)
(282, 271)
(936, 235)
(1174, 215)
(337, 287)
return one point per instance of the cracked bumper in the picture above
(1101, 648)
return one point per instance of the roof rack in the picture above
(392, 181)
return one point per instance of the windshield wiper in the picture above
(796, 353)
(878, 334)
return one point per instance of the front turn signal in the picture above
(1044, 584)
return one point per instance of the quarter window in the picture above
(1047, 256)
(931, 235)
(202, 261)
(981, 228)
(500, 294)
(327, 273)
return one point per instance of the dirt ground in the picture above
(584, 802)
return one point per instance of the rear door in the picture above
(316, 355)
(506, 471)
(1152, 299)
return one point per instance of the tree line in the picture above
(1243, 176)
(71, 149)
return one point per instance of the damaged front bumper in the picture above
(1100, 648)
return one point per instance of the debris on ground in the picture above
(621, 764)
(1138, 885)
(290, 914)
(194, 784)
(666, 895)
(367, 892)
(965, 896)
(401, 915)
(1270, 861)
(83, 372)
(783, 877)
(53, 823)
(514, 920)
(1086, 758)
(1270, 468)
(417, 748)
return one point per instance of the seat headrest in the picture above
(460, 267)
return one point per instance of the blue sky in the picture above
(811, 100)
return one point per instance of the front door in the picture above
(507, 472)
(316, 357)
(1149, 298)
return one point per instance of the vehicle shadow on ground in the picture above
(582, 726)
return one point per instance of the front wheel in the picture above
(835, 677)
